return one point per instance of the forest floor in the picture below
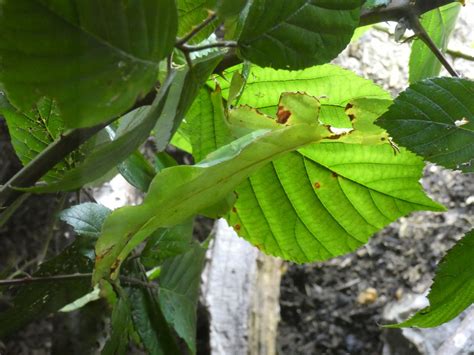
(336, 307)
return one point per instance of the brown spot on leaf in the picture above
(334, 175)
(115, 266)
(317, 185)
(234, 209)
(349, 106)
(237, 227)
(352, 117)
(283, 115)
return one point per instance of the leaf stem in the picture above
(196, 30)
(222, 44)
(420, 31)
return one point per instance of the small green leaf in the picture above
(434, 118)
(102, 57)
(453, 287)
(33, 131)
(86, 219)
(166, 243)
(297, 34)
(439, 24)
(190, 14)
(137, 170)
(179, 290)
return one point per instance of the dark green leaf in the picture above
(435, 119)
(120, 326)
(149, 322)
(94, 57)
(166, 243)
(37, 300)
(138, 171)
(439, 24)
(297, 34)
(179, 290)
(453, 287)
(230, 8)
(86, 219)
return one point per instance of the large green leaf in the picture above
(297, 34)
(230, 8)
(327, 199)
(93, 57)
(439, 24)
(179, 291)
(346, 190)
(435, 119)
(36, 300)
(181, 192)
(32, 132)
(453, 287)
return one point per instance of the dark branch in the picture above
(29, 280)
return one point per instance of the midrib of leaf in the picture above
(278, 25)
(100, 40)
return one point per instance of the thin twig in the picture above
(39, 279)
(196, 30)
(53, 225)
(222, 44)
(420, 31)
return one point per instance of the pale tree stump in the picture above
(240, 289)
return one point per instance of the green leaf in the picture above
(179, 291)
(33, 131)
(435, 119)
(331, 84)
(439, 24)
(453, 287)
(36, 300)
(190, 14)
(344, 194)
(206, 125)
(86, 219)
(148, 319)
(120, 325)
(230, 8)
(102, 57)
(179, 193)
(166, 243)
(138, 171)
(297, 34)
